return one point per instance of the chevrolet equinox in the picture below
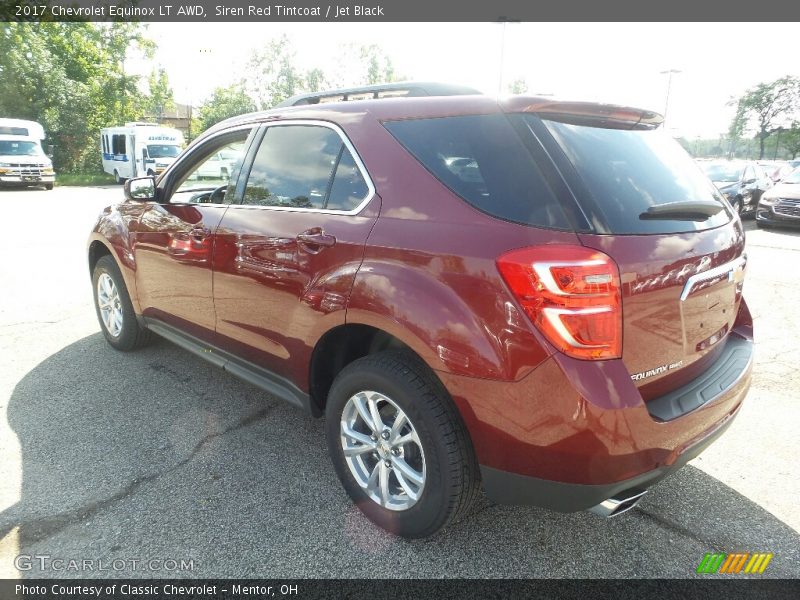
(537, 298)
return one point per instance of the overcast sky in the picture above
(619, 63)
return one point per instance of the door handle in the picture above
(316, 237)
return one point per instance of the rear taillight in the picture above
(572, 295)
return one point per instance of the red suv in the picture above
(539, 298)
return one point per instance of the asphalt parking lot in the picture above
(156, 455)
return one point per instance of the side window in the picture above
(211, 178)
(348, 189)
(482, 159)
(305, 166)
(118, 143)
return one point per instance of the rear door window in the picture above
(482, 159)
(626, 172)
(305, 166)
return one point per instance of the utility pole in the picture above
(669, 73)
(503, 21)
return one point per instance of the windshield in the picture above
(19, 148)
(163, 151)
(793, 177)
(723, 171)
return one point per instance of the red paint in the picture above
(420, 264)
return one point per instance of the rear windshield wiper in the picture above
(691, 210)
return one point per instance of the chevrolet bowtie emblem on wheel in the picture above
(743, 562)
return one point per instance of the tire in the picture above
(48, 186)
(441, 452)
(124, 333)
(117, 179)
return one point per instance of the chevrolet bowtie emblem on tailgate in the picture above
(732, 271)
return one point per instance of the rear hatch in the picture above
(647, 205)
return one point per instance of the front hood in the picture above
(24, 160)
(785, 190)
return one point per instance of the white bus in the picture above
(22, 159)
(139, 149)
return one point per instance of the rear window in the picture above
(482, 159)
(629, 171)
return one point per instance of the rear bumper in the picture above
(510, 488)
(575, 433)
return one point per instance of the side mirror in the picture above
(140, 189)
(50, 150)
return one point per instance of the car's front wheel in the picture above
(114, 308)
(399, 446)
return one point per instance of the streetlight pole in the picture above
(670, 73)
(503, 21)
(502, 59)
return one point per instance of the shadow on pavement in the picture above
(157, 455)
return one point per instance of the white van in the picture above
(139, 149)
(22, 160)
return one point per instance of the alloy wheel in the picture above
(383, 450)
(110, 305)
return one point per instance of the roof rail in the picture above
(382, 90)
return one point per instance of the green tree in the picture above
(518, 86)
(362, 65)
(71, 78)
(765, 107)
(273, 76)
(378, 65)
(224, 103)
(160, 98)
(315, 80)
(791, 139)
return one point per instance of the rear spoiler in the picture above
(584, 113)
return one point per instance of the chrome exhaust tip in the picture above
(618, 504)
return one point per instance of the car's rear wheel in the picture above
(114, 309)
(398, 445)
